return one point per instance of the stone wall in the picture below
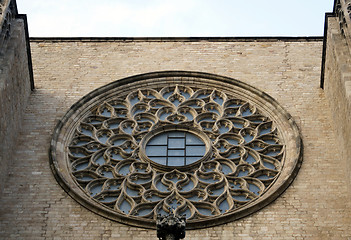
(337, 86)
(315, 206)
(15, 88)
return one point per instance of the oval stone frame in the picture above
(155, 132)
(65, 128)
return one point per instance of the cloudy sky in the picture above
(174, 18)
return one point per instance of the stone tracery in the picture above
(248, 149)
(108, 159)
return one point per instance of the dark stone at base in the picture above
(170, 227)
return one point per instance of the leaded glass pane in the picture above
(156, 150)
(191, 139)
(175, 153)
(176, 143)
(176, 134)
(190, 160)
(160, 160)
(158, 140)
(175, 161)
(198, 151)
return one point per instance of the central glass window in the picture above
(175, 148)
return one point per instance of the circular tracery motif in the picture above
(203, 152)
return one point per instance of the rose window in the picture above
(196, 144)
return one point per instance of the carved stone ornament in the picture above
(170, 226)
(212, 148)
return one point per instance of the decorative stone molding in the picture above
(212, 148)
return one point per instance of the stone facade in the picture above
(337, 87)
(15, 84)
(316, 205)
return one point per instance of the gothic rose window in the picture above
(201, 145)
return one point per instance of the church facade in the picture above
(61, 97)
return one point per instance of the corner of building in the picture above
(16, 80)
(336, 77)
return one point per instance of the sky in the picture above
(174, 18)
